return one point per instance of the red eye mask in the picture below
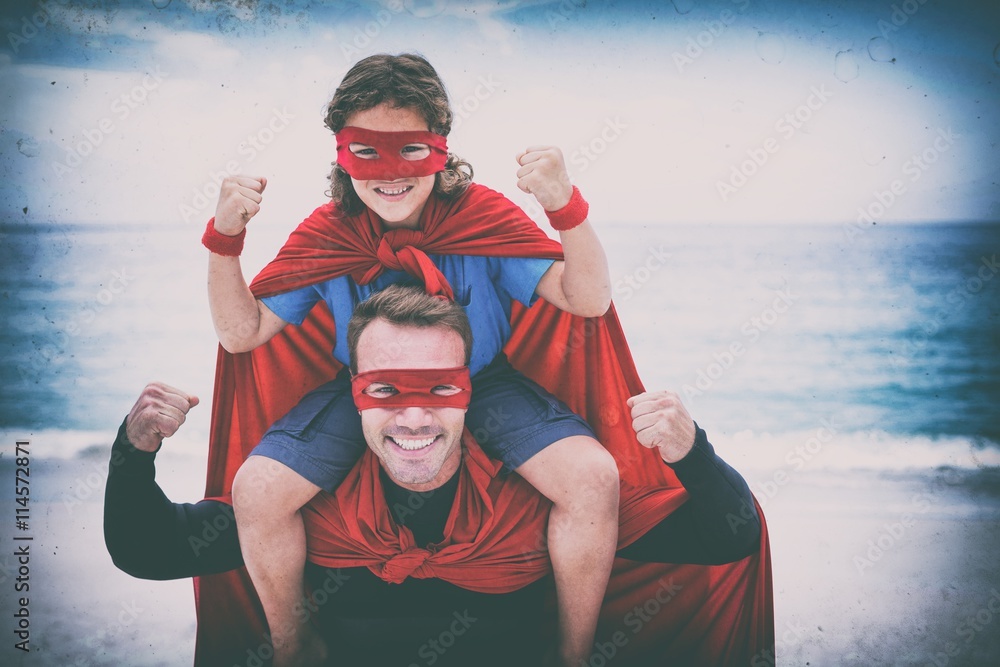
(390, 163)
(404, 388)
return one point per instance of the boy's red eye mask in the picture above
(390, 163)
(413, 387)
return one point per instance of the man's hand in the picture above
(239, 200)
(157, 414)
(543, 174)
(660, 420)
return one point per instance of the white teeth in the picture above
(393, 191)
(412, 445)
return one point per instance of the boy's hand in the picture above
(660, 420)
(157, 414)
(239, 200)
(543, 174)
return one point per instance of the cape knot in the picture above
(402, 565)
(387, 255)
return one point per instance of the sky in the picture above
(726, 111)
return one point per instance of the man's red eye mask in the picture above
(414, 388)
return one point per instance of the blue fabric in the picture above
(485, 286)
(511, 417)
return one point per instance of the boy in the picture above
(391, 116)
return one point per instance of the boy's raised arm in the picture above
(581, 283)
(241, 322)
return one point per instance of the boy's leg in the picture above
(580, 477)
(267, 497)
(311, 448)
(537, 435)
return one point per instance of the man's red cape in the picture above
(653, 613)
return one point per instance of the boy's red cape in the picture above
(653, 613)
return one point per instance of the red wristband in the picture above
(572, 214)
(220, 244)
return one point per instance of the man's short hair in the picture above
(407, 306)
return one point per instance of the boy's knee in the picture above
(597, 480)
(268, 490)
(248, 484)
(263, 487)
(598, 465)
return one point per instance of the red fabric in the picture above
(220, 244)
(704, 614)
(414, 387)
(389, 162)
(572, 214)
(353, 527)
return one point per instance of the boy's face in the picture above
(398, 202)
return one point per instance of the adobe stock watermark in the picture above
(796, 460)
(914, 168)
(85, 486)
(368, 34)
(752, 329)
(54, 352)
(32, 25)
(129, 614)
(562, 12)
(7, 569)
(468, 105)
(433, 649)
(586, 154)
(635, 620)
(956, 298)
(970, 627)
(596, 488)
(121, 109)
(211, 531)
(303, 610)
(900, 16)
(793, 634)
(697, 45)
(634, 281)
(203, 198)
(496, 417)
(786, 127)
(890, 534)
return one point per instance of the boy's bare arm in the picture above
(581, 284)
(242, 322)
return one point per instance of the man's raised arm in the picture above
(719, 522)
(147, 535)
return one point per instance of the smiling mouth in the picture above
(393, 191)
(412, 444)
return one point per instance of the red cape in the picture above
(653, 613)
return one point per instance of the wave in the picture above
(827, 449)
(56, 444)
(816, 450)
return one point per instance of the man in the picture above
(426, 554)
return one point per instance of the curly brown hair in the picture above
(405, 81)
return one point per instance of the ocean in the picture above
(778, 338)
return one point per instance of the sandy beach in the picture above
(869, 569)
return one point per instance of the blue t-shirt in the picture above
(485, 286)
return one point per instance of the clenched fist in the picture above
(660, 420)
(239, 200)
(543, 174)
(157, 414)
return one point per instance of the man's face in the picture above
(419, 447)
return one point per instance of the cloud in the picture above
(685, 129)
